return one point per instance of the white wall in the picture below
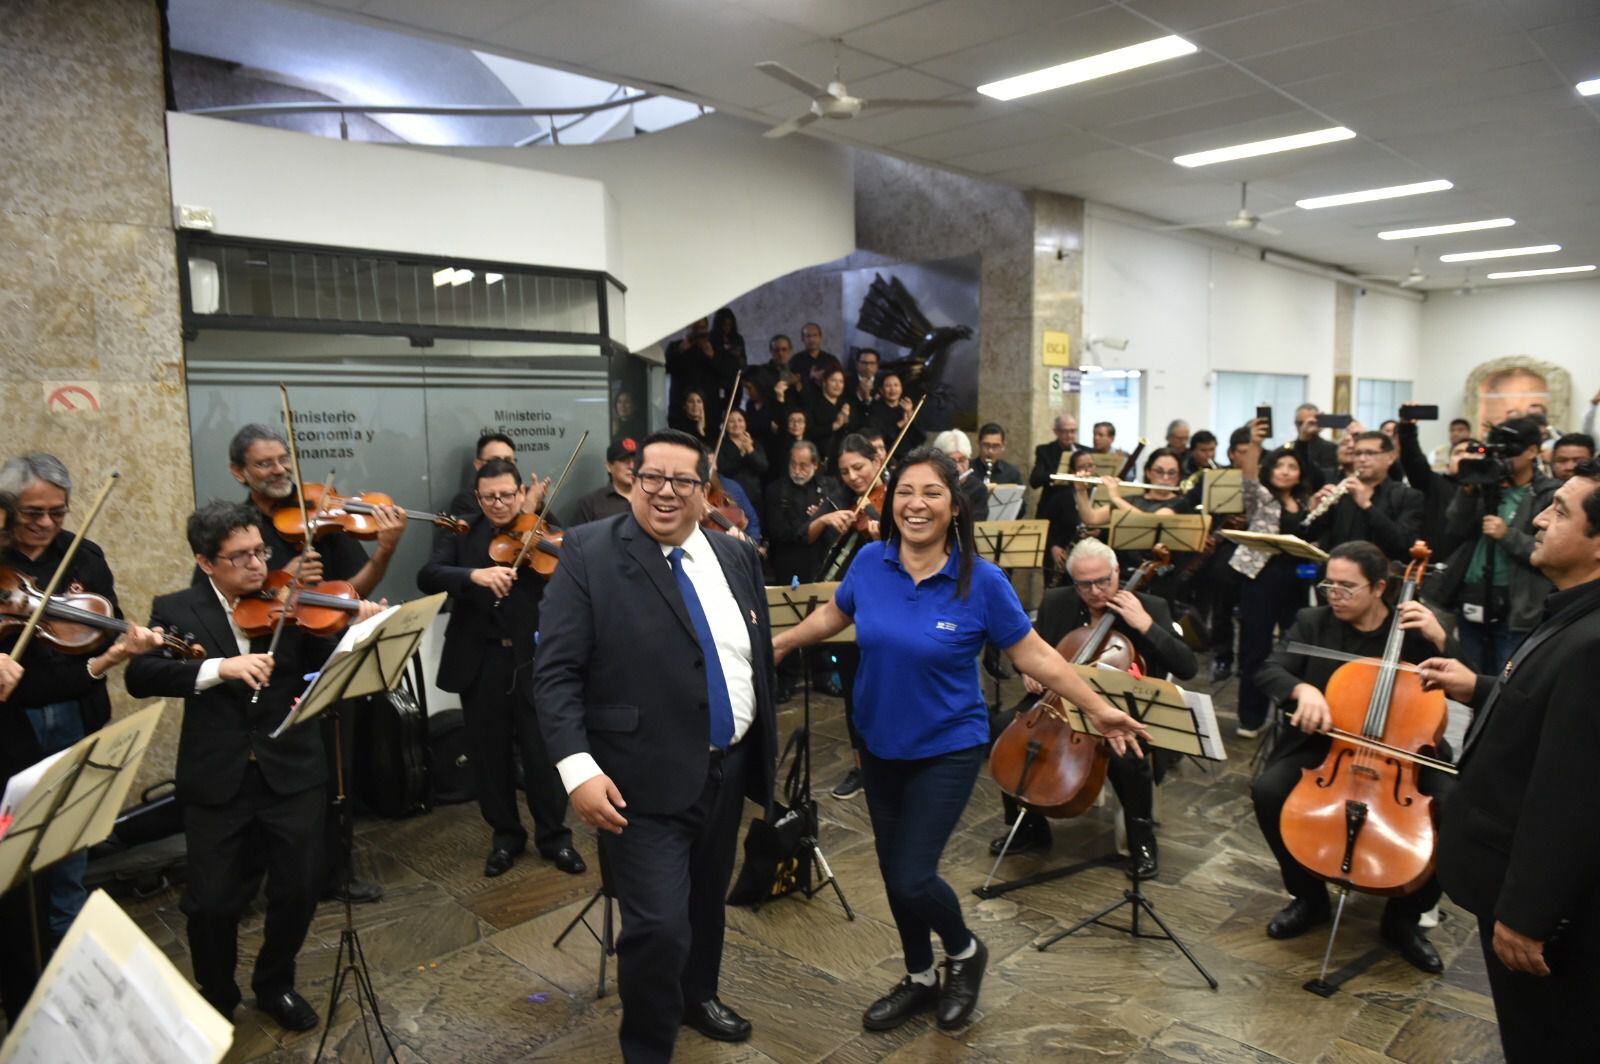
(709, 210)
(276, 185)
(1557, 321)
(687, 218)
(1189, 308)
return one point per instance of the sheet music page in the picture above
(21, 785)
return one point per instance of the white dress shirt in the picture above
(211, 669)
(730, 630)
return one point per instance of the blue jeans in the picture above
(1488, 646)
(915, 806)
(58, 726)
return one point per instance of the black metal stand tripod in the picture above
(606, 936)
(807, 808)
(1134, 898)
(350, 962)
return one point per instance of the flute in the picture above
(1071, 478)
(1327, 503)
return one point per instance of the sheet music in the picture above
(347, 644)
(21, 785)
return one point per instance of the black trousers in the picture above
(228, 844)
(1547, 1018)
(19, 922)
(671, 876)
(500, 719)
(1132, 780)
(1267, 603)
(1294, 753)
(1220, 595)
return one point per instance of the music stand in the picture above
(1274, 543)
(1179, 720)
(787, 607)
(107, 986)
(1135, 530)
(1222, 491)
(1005, 501)
(1107, 465)
(371, 658)
(1014, 546)
(69, 802)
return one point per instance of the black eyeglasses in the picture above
(1101, 584)
(499, 497)
(240, 559)
(682, 486)
(34, 514)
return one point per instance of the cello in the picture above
(1358, 820)
(1041, 760)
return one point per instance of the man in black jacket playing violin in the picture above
(1354, 623)
(1518, 846)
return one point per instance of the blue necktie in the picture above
(716, 682)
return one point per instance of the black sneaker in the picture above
(1221, 669)
(962, 979)
(850, 786)
(900, 1004)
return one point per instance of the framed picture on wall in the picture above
(1341, 393)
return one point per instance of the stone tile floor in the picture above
(466, 973)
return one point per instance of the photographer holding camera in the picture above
(1496, 592)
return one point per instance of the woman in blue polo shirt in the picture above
(924, 604)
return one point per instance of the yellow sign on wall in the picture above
(1057, 349)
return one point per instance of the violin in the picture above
(351, 514)
(722, 513)
(542, 556)
(321, 609)
(1041, 760)
(1358, 819)
(78, 622)
(869, 508)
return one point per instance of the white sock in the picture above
(970, 951)
(927, 978)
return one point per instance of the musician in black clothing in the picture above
(258, 458)
(250, 801)
(797, 525)
(1355, 622)
(1318, 457)
(1147, 622)
(488, 661)
(1517, 844)
(48, 699)
(991, 462)
(1374, 507)
(610, 498)
(491, 445)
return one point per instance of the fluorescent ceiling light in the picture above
(1088, 68)
(493, 278)
(1441, 230)
(461, 277)
(1589, 88)
(1538, 273)
(1500, 253)
(443, 277)
(1266, 147)
(1368, 195)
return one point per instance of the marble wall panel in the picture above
(88, 281)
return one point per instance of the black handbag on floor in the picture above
(777, 855)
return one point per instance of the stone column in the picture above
(89, 286)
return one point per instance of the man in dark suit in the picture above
(1375, 508)
(991, 462)
(1146, 622)
(488, 660)
(654, 687)
(1517, 845)
(1319, 458)
(250, 802)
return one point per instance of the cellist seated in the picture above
(1355, 622)
(1146, 620)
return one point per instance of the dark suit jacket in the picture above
(1517, 837)
(620, 674)
(1164, 651)
(1393, 521)
(221, 729)
(476, 623)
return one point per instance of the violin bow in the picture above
(66, 559)
(305, 525)
(722, 434)
(532, 535)
(888, 456)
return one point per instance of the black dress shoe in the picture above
(1221, 669)
(1025, 842)
(499, 862)
(361, 892)
(1407, 937)
(1298, 917)
(959, 995)
(716, 1020)
(569, 861)
(1143, 860)
(900, 1004)
(289, 1010)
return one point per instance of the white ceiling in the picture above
(1476, 91)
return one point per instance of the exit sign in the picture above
(1057, 349)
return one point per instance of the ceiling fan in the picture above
(1410, 280)
(834, 101)
(1245, 219)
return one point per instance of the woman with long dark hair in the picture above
(924, 604)
(1276, 498)
(694, 418)
(726, 341)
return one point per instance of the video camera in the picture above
(1488, 463)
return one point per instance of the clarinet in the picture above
(1327, 504)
